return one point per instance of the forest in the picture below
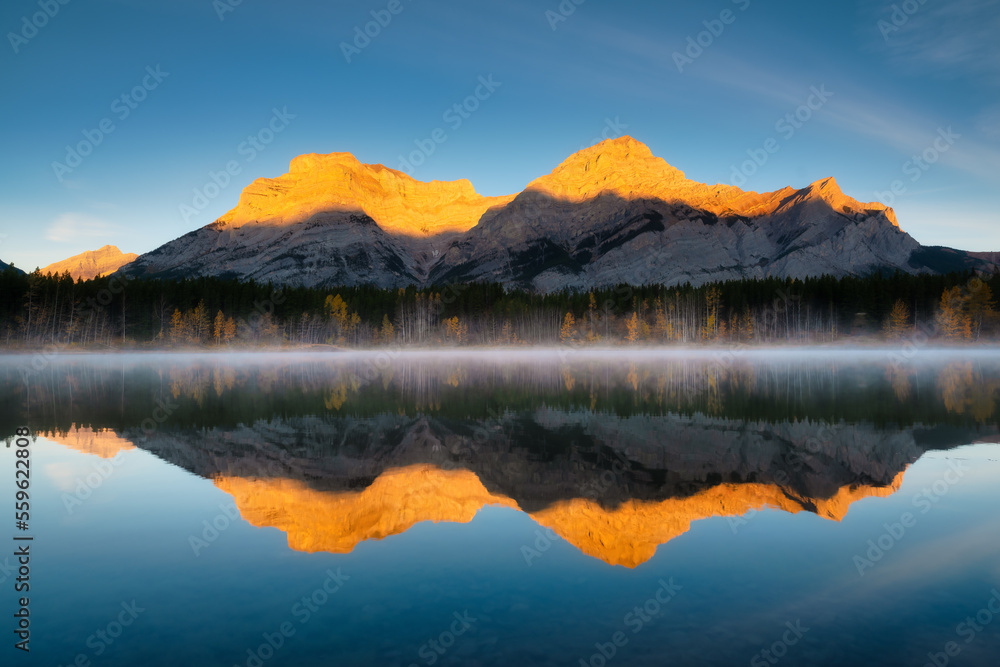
(113, 312)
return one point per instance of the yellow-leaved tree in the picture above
(568, 330)
(952, 321)
(633, 328)
(898, 322)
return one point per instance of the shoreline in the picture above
(907, 350)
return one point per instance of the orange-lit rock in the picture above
(628, 169)
(337, 522)
(399, 204)
(398, 499)
(630, 534)
(86, 440)
(92, 264)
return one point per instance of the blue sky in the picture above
(568, 74)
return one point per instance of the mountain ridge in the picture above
(609, 214)
(4, 266)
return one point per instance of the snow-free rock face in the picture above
(609, 214)
(614, 213)
(92, 264)
(331, 220)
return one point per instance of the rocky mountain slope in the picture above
(93, 263)
(993, 257)
(609, 214)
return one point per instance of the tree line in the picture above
(111, 311)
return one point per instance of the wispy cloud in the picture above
(956, 39)
(988, 123)
(863, 112)
(76, 227)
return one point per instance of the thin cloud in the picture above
(76, 227)
(955, 39)
(988, 123)
(864, 113)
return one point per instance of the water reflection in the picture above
(615, 456)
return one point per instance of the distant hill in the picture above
(4, 267)
(992, 257)
(92, 264)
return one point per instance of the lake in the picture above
(563, 507)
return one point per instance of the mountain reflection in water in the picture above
(615, 455)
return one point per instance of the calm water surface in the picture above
(806, 508)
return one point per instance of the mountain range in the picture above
(612, 213)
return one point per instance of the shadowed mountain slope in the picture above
(613, 213)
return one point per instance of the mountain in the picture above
(609, 214)
(992, 257)
(330, 220)
(4, 267)
(92, 264)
